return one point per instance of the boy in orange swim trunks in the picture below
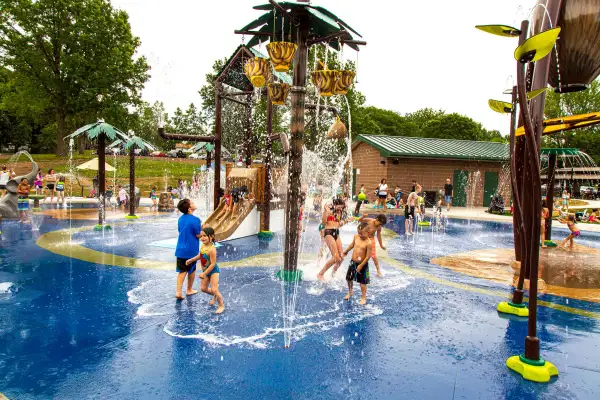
(374, 225)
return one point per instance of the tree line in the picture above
(66, 63)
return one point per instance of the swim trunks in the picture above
(182, 267)
(373, 248)
(409, 211)
(23, 203)
(576, 233)
(362, 277)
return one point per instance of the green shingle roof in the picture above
(418, 147)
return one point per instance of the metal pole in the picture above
(266, 221)
(298, 93)
(132, 199)
(101, 178)
(218, 128)
(248, 143)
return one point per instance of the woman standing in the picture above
(382, 192)
(50, 183)
(332, 220)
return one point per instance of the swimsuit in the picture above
(362, 277)
(205, 262)
(332, 232)
(409, 211)
(60, 187)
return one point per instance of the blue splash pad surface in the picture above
(72, 329)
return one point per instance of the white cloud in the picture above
(419, 54)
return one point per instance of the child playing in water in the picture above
(570, 221)
(153, 197)
(374, 225)
(189, 227)
(358, 269)
(210, 268)
(545, 215)
(409, 213)
(23, 201)
(60, 190)
(38, 183)
(122, 198)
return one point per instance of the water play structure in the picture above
(567, 63)
(8, 203)
(245, 219)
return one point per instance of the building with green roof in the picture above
(477, 170)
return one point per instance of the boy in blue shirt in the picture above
(188, 244)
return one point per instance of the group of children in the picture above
(363, 245)
(191, 232)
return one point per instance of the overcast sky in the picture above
(419, 53)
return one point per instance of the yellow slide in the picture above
(227, 225)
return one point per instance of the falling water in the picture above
(71, 143)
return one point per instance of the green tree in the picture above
(71, 52)
(561, 105)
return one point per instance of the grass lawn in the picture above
(149, 171)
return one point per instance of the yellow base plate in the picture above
(536, 373)
(506, 308)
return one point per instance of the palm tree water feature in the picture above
(100, 131)
(311, 25)
(572, 66)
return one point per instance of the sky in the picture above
(419, 53)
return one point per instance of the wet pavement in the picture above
(74, 326)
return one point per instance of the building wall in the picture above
(366, 159)
(431, 174)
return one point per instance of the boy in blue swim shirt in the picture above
(188, 243)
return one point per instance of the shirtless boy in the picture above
(374, 225)
(358, 270)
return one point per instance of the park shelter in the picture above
(477, 169)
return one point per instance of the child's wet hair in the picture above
(184, 206)
(382, 219)
(210, 232)
(361, 226)
(23, 180)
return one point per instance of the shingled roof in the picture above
(418, 147)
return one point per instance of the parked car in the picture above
(157, 154)
(114, 150)
(587, 192)
(198, 156)
(176, 153)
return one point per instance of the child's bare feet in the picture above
(320, 277)
(347, 297)
(178, 296)
(379, 274)
(220, 309)
(363, 301)
(210, 303)
(191, 292)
